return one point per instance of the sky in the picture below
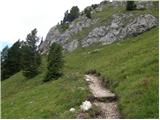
(19, 17)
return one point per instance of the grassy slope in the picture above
(23, 98)
(131, 69)
(130, 66)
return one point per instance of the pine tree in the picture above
(55, 62)
(88, 13)
(130, 5)
(30, 56)
(74, 12)
(66, 15)
(4, 56)
(72, 15)
(11, 60)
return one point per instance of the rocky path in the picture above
(104, 98)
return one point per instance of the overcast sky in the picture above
(19, 17)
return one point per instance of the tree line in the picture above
(24, 56)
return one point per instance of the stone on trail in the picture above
(86, 105)
(72, 110)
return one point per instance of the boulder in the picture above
(72, 110)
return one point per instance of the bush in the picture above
(55, 63)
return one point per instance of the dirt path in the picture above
(109, 106)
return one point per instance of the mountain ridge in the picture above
(118, 24)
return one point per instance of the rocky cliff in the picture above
(110, 22)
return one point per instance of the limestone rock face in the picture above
(141, 24)
(118, 28)
(120, 25)
(70, 46)
(54, 35)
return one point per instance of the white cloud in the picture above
(19, 17)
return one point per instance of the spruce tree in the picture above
(88, 13)
(74, 12)
(72, 15)
(30, 56)
(11, 60)
(4, 56)
(130, 5)
(14, 55)
(55, 62)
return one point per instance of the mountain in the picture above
(110, 22)
(121, 45)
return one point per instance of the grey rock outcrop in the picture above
(120, 28)
(116, 28)
(54, 34)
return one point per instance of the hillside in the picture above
(132, 72)
(129, 64)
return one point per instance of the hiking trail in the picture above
(103, 98)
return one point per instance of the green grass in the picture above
(130, 68)
(22, 98)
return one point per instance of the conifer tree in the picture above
(55, 62)
(30, 56)
(11, 60)
(130, 5)
(4, 56)
(74, 12)
(88, 13)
